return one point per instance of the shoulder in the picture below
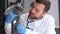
(50, 21)
(49, 17)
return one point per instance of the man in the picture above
(39, 22)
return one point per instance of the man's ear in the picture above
(44, 13)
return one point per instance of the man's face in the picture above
(36, 11)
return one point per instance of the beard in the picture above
(31, 16)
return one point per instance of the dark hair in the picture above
(47, 4)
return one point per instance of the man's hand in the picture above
(20, 28)
(10, 16)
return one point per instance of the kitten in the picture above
(19, 11)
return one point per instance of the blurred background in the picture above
(26, 4)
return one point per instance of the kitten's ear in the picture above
(18, 9)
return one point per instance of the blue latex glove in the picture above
(10, 16)
(20, 29)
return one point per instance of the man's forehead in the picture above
(37, 5)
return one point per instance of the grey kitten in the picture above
(19, 11)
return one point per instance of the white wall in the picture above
(54, 11)
(27, 4)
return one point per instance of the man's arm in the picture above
(23, 30)
(8, 28)
(8, 21)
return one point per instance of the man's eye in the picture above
(37, 10)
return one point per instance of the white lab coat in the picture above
(46, 25)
